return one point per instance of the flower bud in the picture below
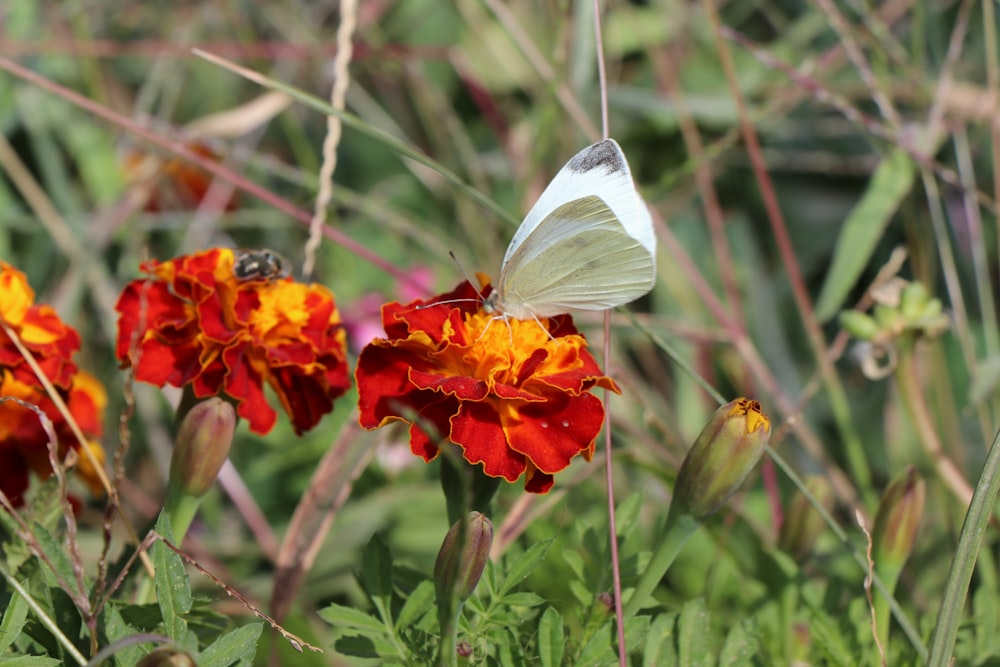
(803, 524)
(463, 555)
(202, 446)
(859, 324)
(913, 300)
(895, 531)
(726, 450)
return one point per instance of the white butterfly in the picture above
(586, 244)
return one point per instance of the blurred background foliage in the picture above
(503, 93)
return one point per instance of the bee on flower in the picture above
(228, 322)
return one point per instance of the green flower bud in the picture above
(202, 445)
(888, 318)
(913, 300)
(803, 524)
(726, 450)
(463, 555)
(167, 657)
(895, 531)
(859, 324)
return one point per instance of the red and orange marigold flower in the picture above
(52, 343)
(193, 321)
(513, 396)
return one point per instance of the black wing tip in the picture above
(606, 154)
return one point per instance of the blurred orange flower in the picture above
(512, 395)
(177, 185)
(23, 439)
(194, 321)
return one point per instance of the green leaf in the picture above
(349, 617)
(523, 600)
(551, 638)
(367, 647)
(173, 589)
(56, 555)
(417, 605)
(237, 647)
(863, 229)
(597, 650)
(693, 642)
(115, 630)
(524, 565)
(636, 631)
(376, 576)
(13, 619)
(740, 646)
(659, 646)
(627, 514)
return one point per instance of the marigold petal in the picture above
(86, 471)
(245, 384)
(16, 295)
(479, 431)
(86, 402)
(551, 434)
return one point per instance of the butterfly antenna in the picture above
(468, 278)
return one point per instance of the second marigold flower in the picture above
(196, 321)
(511, 394)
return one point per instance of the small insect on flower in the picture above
(260, 264)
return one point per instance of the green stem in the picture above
(908, 384)
(889, 576)
(448, 620)
(680, 527)
(969, 541)
(181, 509)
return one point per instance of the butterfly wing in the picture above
(579, 258)
(599, 170)
(586, 244)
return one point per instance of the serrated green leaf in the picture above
(740, 647)
(56, 555)
(524, 565)
(863, 229)
(349, 617)
(13, 619)
(419, 604)
(115, 630)
(551, 638)
(694, 645)
(237, 647)
(173, 588)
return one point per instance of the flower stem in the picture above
(908, 385)
(679, 528)
(448, 620)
